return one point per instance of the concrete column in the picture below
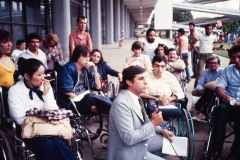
(62, 26)
(117, 20)
(125, 19)
(109, 21)
(122, 15)
(95, 18)
(170, 34)
(127, 23)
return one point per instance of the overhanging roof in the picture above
(134, 8)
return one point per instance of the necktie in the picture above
(38, 92)
(142, 109)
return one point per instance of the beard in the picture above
(150, 40)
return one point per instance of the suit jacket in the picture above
(128, 135)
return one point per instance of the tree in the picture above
(182, 16)
(231, 27)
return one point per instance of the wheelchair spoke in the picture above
(5, 148)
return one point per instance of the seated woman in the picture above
(175, 66)
(52, 48)
(161, 50)
(163, 88)
(78, 76)
(137, 58)
(102, 67)
(6, 65)
(35, 92)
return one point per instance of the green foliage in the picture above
(181, 16)
(231, 27)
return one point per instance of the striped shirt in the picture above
(184, 44)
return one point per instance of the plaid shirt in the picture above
(50, 114)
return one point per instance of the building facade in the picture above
(106, 19)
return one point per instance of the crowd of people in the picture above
(153, 72)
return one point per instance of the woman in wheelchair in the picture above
(138, 58)
(6, 65)
(161, 50)
(103, 68)
(77, 77)
(163, 88)
(35, 91)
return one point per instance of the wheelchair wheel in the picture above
(104, 140)
(94, 126)
(185, 129)
(110, 89)
(5, 148)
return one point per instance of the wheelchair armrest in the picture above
(181, 100)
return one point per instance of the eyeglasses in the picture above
(213, 63)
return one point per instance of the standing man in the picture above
(205, 49)
(33, 51)
(228, 88)
(193, 35)
(131, 134)
(150, 43)
(21, 46)
(80, 36)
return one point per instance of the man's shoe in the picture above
(193, 76)
(232, 156)
(215, 155)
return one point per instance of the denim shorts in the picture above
(185, 55)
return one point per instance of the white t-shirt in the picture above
(206, 43)
(27, 54)
(16, 53)
(150, 47)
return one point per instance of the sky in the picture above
(232, 4)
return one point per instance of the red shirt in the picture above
(75, 40)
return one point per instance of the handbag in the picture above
(34, 126)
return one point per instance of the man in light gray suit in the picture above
(132, 136)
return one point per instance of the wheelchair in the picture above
(108, 88)
(180, 123)
(208, 142)
(13, 147)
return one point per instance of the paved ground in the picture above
(116, 58)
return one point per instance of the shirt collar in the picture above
(163, 75)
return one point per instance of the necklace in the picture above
(5, 62)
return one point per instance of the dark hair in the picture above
(171, 49)
(164, 47)
(20, 41)
(80, 50)
(137, 45)
(130, 73)
(212, 58)
(191, 23)
(159, 59)
(5, 36)
(80, 17)
(29, 66)
(181, 30)
(233, 50)
(208, 26)
(32, 36)
(101, 58)
(150, 30)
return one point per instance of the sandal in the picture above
(193, 111)
(188, 80)
(201, 117)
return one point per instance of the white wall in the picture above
(163, 15)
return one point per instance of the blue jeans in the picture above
(185, 57)
(222, 115)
